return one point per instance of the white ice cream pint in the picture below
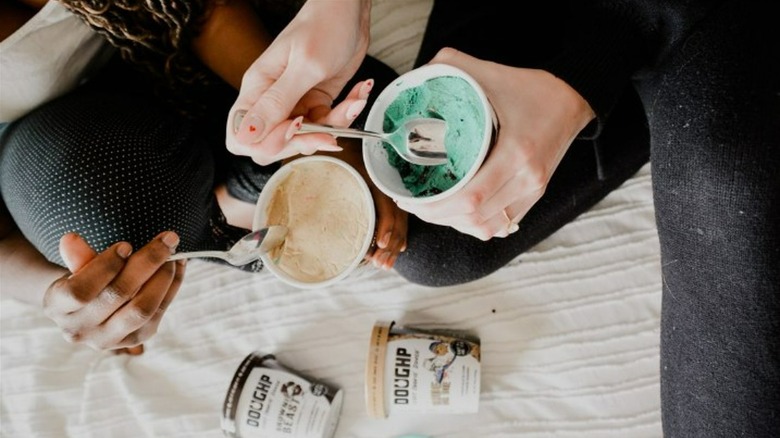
(421, 371)
(268, 400)
(329, 212)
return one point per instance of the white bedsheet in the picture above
(569, 333)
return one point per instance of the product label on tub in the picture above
(431, 373)
(275, 403)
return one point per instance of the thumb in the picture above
(274, 105)
(448, 55)
(75, 251)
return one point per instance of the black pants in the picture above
(713, 111)
(118, 163)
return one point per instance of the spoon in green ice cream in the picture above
(418, 141)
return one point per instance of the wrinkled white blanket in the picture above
(569, 333)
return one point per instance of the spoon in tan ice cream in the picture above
(246, 250)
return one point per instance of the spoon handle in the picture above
(307, 128)
(192, 254)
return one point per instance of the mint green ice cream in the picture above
(450, 98)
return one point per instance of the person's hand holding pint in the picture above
(539, 117)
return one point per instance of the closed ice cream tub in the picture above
(269, 400)
(412, 370)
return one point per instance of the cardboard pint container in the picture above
(330, 213)
(412, 370)
(268, 400)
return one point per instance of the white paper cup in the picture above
(322, 212)
(412, 371)
(269, 400)
(481, 120)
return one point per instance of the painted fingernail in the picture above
(170, 239)
(512, 228)
(294, 127)
(382, 243)
(124, 249)
(365, 89)
(238, 117)
(254, 126)
(354, 110)
(330, 148)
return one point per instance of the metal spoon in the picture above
(418, 141)
(246, 250)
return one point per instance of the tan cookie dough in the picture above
(325, 210)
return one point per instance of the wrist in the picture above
(360, 9)
(580, 113)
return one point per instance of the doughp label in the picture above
(423, 371)
(273, 402)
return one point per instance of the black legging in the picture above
(113, 162)
(713, 110)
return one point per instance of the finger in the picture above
(483, 228)
(131, 351)
(515, 199)
(391, 254)
(264, 151)
(450, 56)
(309, 143)
(150, 329)
(275, 104)
(343, 114)
(81, 288)
(518, 209)
(380, 258)
(140, 267)
(389, 217)
(255, 82)
(75, 251)
(392, 242)
(137, 312)
(284, 142)
(499, 168)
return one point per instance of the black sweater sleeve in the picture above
(610, 41)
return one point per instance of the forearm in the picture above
(356, 10)
(24, 273)
(233, 36)
(230, 39)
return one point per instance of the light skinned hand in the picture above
(539, 117)
(114, 300)
(300, 74)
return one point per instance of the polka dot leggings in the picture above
(110, 167)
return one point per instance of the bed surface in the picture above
(569, 331)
